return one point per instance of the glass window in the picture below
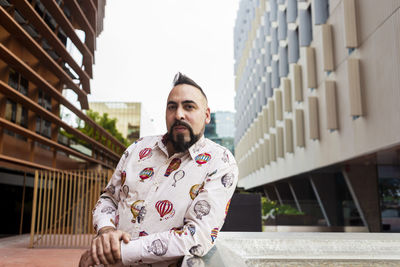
(305, 27)
(10, 110)
(283, 62)
(293, 46)
(23, 86)
(46, 128)
(291, 11)
(38, 124)
(282, 25)
(13, 79)
(321, 13)
(389, 190)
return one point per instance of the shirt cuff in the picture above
(131, 253)
(103, 223)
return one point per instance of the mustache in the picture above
(181, 123)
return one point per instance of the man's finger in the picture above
(126, 237)
(100, 251)
(94, 252)
(115, 248)
(83, 262)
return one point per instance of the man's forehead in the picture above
(184, 93)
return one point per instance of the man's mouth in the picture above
(180, 128)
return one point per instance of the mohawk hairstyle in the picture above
(183, 79)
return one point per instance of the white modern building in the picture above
(317, 107)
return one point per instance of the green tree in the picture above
(109, 124)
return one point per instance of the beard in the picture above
(179, 144)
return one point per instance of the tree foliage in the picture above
(109, 124)
(272, 207)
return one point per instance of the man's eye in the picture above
(189, 107)
(171, 107)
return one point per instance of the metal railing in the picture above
(62, 205)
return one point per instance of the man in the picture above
(169, 195)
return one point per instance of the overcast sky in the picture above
(144, 43)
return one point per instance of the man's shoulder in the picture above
(219, 149)
(145, 141)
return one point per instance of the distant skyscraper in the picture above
(221, 129)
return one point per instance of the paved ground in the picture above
(14, 252)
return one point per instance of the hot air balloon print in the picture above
(195, 189)
(164, 208)
(227, 180)
(125, 189)
(116, 221)
(227, 207)
(173, 166)
(138, 210)
(123, 177)
(178, 231)
(225, 157)
(194, 262)
(202, 158)
(107, 210)
(110, 189)
(146, 173)
(197, 250)
(158, 247)
(143, 233)
(202, 208)
(214, 233)
(145, 153)
(177, 176)
(191, 228)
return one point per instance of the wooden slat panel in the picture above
(265, 121)
(350, 23)
(287, 94)
(298, 83)
(327, 47)
(33, 76)
(64, 203)
(51, 226)
(311, 68)
(271, 113)
(279, 108)
(313, 117)
(353, 76)
(300, 140)
(272, 146)
(34, 207)
(279, 142)
(14, 28)
(330, 103)
(289, 136)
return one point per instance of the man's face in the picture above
(186, 115)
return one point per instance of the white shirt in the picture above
(171, 206)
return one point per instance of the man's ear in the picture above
(208, 116)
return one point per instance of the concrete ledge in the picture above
(312, 246)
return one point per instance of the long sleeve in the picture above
(202, 221)
(105, 211)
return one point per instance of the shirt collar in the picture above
(193, 150)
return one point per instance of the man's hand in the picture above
(86, 259)
(106, 247)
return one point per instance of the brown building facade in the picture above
(47, 49)
(35, 68)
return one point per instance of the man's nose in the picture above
(180, 114)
